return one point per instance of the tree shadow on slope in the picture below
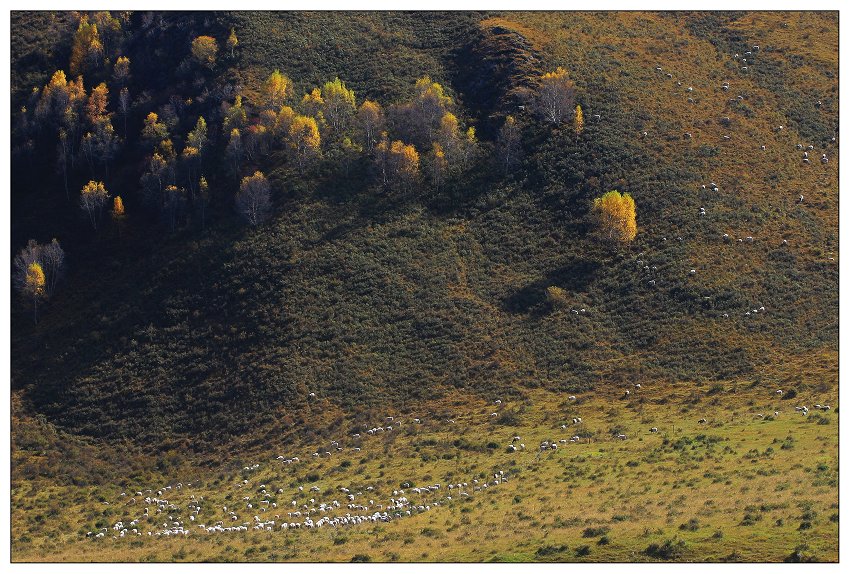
(575, 276)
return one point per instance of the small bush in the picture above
(669, 550)
(801, 555)
(361, 558)
(551, 549)
(583, 550)
(593, 532)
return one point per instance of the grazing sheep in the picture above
(800, 200)
(626, 394)
(702, 421)
(571, 398)
(653, 429)
(621, 436)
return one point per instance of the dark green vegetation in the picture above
(203, 340)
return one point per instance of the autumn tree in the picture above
(235, 149)
(92, 199)
(154, 179)
(50, 257)
(100, 142)
(370, 121)
(304, 140)
(63, 158)
(203, 200)
(87, 48)
(313, 102)
(34, 287)
(235, 115)
(121, 71)
(339, 104)
(117, 213)
(154, 131)
(616, 217)
(277, 89)
(449, 138)
(578, 120)
(232, 42)
(191, 162)
(350, 151)
(205, 50)
(429, 105)
(437, 165)
(397, 162)
(555, 96)
(508, 146)
(198, 138)
(253, 202)
(53, 265)
(124, 106)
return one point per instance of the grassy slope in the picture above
(779, 472)
(363, 299)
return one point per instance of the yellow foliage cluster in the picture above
(277, 89)
(35, 280)
(578, 120)
(205, 50)
(617, 216)
(87, 46)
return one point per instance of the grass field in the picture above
(735, 488)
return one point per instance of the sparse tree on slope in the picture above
(253, 201)
(616, 216)
(556, 96)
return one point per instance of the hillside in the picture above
(180, 344)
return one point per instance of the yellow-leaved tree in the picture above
(578, 120)
(555, 96)
(232, 42)
(370, 120)
(34, 286)
(87, 48)
(339, 104)
(276, 90)
(92, 198)
(304, 139)
(617, 217)
(205, 50)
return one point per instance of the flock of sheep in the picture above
(265, 508)
(747, 61)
